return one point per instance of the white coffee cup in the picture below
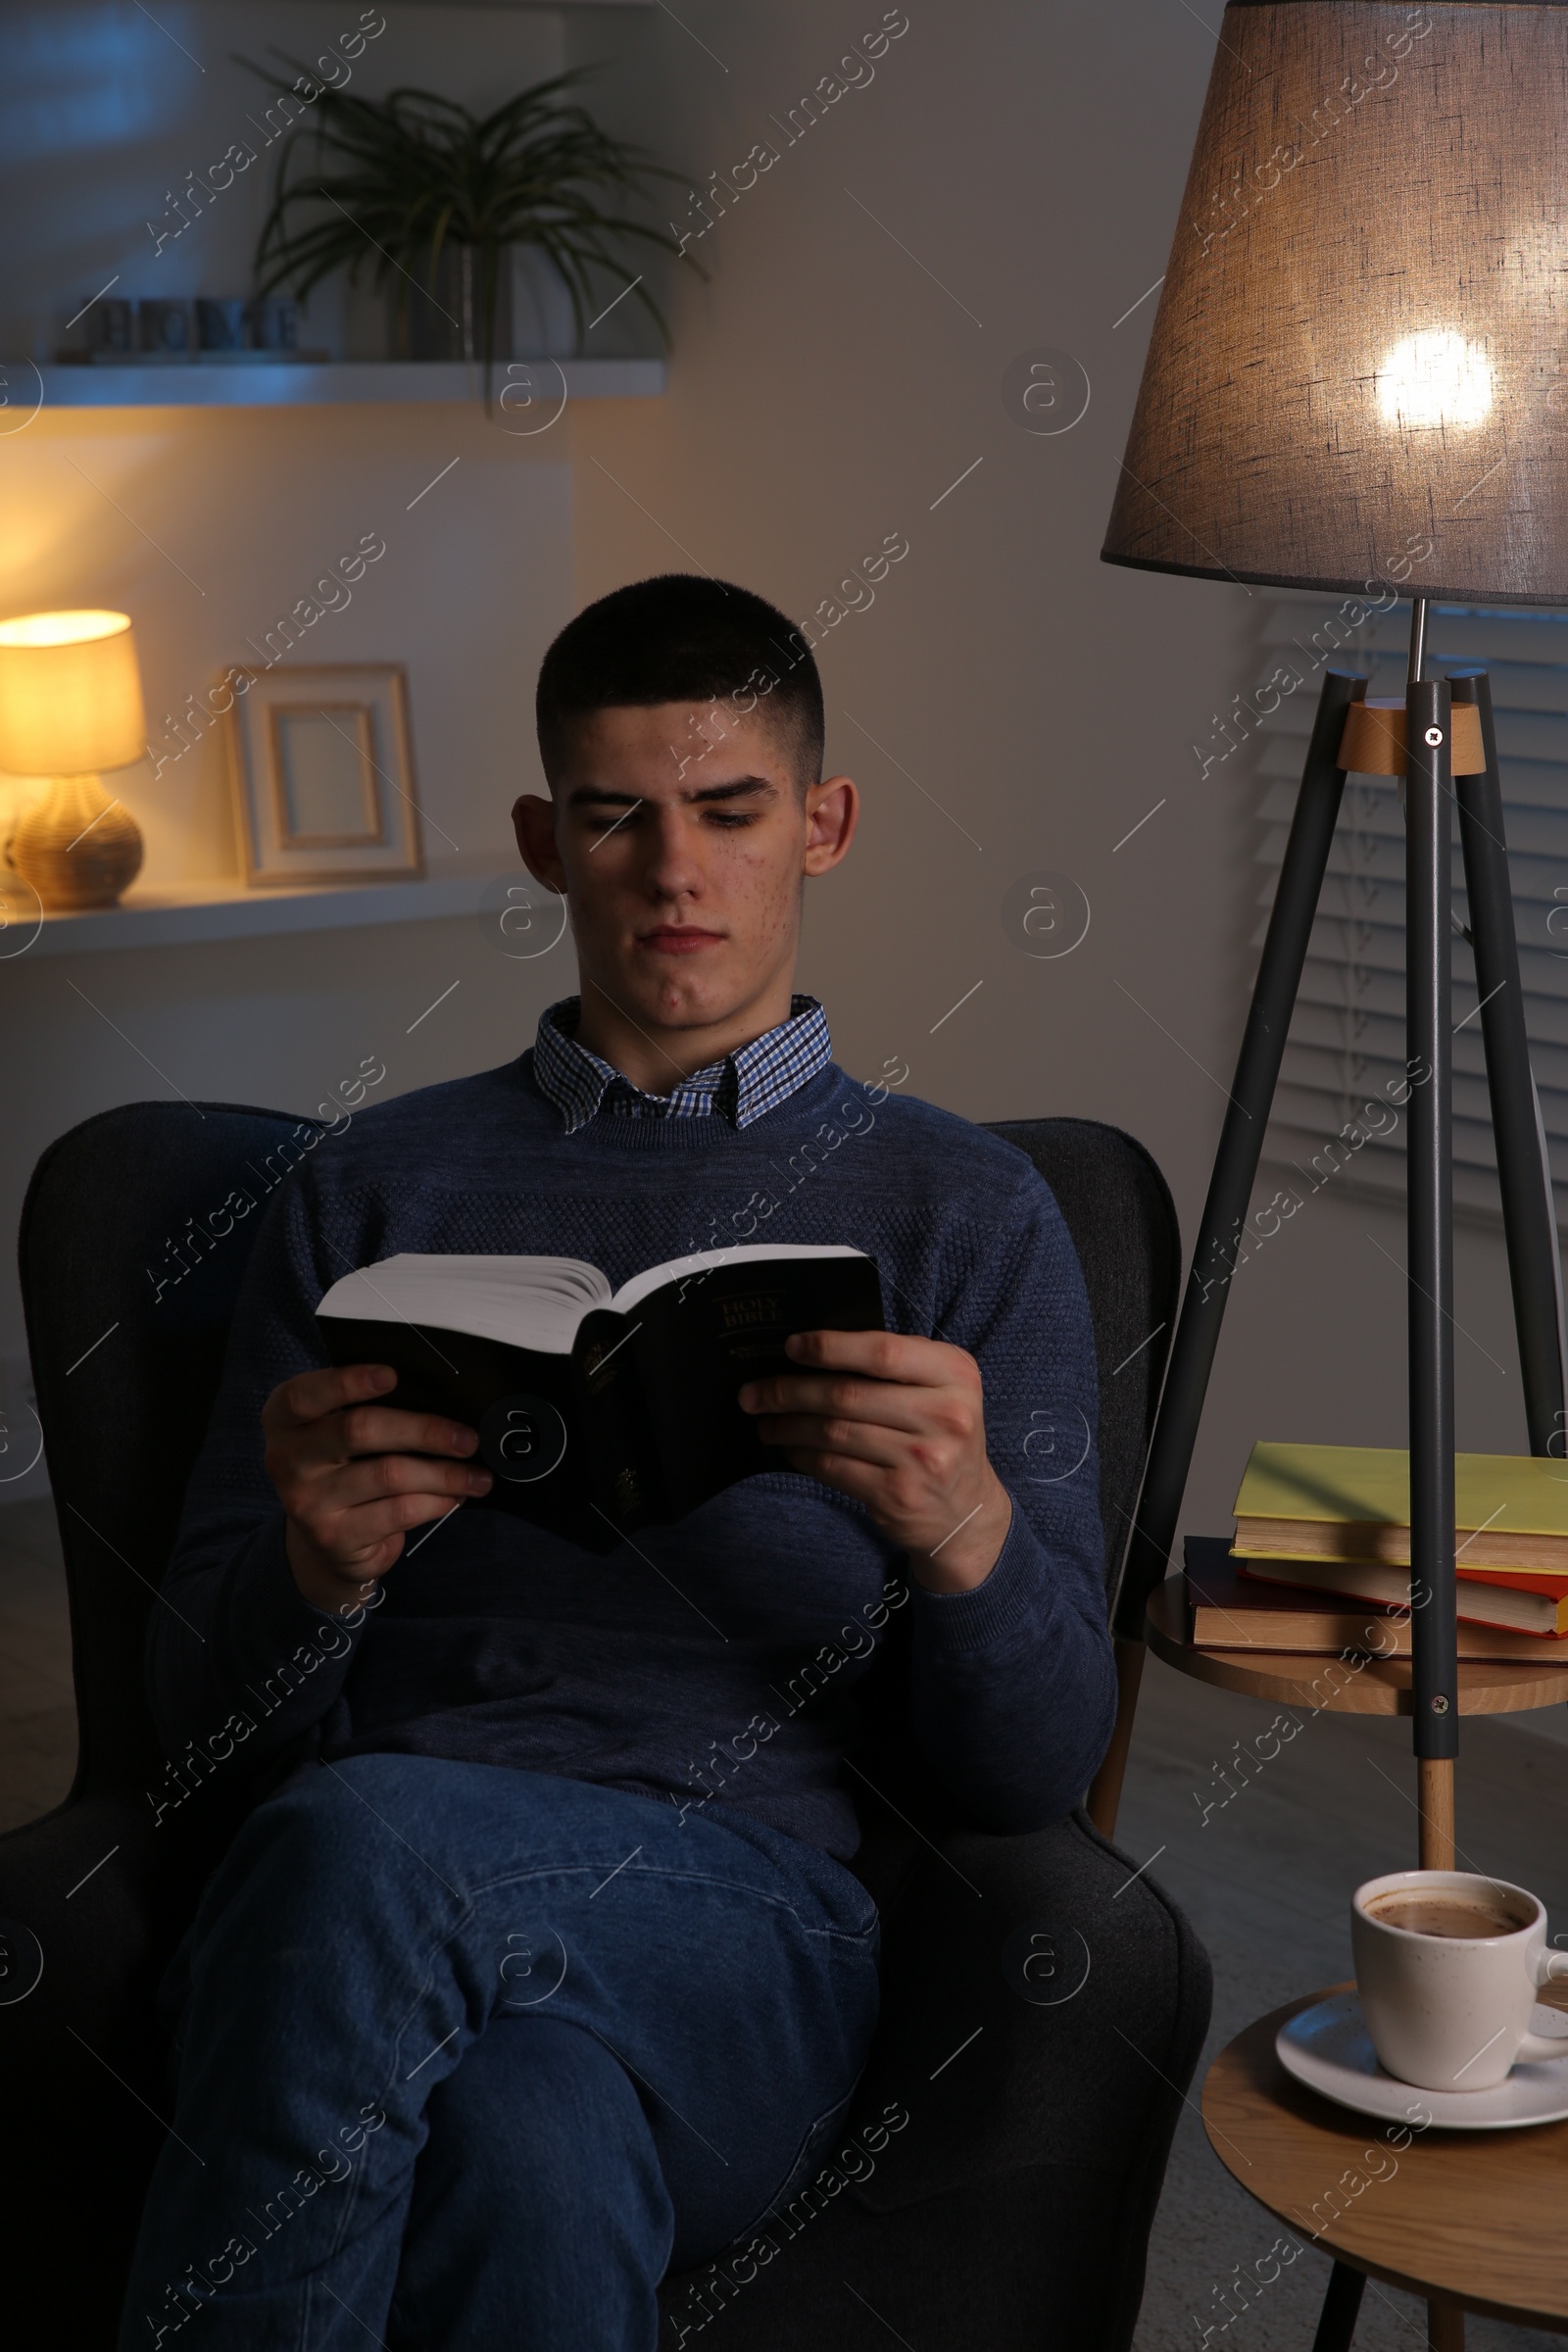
(1448, 2010)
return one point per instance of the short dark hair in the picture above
(682, 638)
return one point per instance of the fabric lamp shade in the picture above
(70, 694)
(1359, 369)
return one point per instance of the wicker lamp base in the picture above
(77, 847)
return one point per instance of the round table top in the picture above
(1352, 1686)
(1477, 2217)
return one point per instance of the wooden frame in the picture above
(307, 812)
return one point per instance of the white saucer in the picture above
(1329, 2049)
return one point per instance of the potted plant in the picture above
(428, 196)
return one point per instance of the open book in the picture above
(598, 1411)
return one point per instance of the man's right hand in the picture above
(354, 1475)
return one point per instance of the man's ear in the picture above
(533, 820)
(832, 812)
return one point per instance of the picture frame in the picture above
(322, 768)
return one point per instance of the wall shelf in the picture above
(226, 911)
(192, 385)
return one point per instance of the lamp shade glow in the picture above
(70, 694)
(1358, 371)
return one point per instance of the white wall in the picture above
(825, 390)
(830, 380)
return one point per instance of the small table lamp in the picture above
(69, 706)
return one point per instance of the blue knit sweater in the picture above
(712, 1661)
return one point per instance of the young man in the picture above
(542, 1970)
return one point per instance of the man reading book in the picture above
(539, 1964)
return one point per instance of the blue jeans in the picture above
(469, 2056)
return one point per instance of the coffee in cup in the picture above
(1447, 1964)
(1423, 1912)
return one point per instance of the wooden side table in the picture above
(1473, 2221)
(1352, 1687)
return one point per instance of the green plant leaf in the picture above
(386, 184)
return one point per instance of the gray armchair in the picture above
(1041, 2016)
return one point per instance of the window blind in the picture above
(1344, 1062)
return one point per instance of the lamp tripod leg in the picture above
(1429, 1275)
(1524, 1177)
(1435, 1777)
(1230, 1187)
(1252, 1095)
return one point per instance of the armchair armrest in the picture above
(101, 1895)
(1041, 2005)
(993, 2183)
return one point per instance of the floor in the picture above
(1265, 1878)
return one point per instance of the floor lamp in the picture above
(1358, 380)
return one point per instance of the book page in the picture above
(533, 1302)
(704, 1261)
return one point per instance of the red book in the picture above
(1533, 1605)
(1232, 1610)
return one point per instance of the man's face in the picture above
(680, 835)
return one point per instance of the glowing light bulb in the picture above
(1435, 377)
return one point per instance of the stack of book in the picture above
(1321, 1558)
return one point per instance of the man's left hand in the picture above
(899, 1424)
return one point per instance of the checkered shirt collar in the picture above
(744, 1086)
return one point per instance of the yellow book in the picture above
(1352, 1503)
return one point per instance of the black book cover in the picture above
(639, 1423)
